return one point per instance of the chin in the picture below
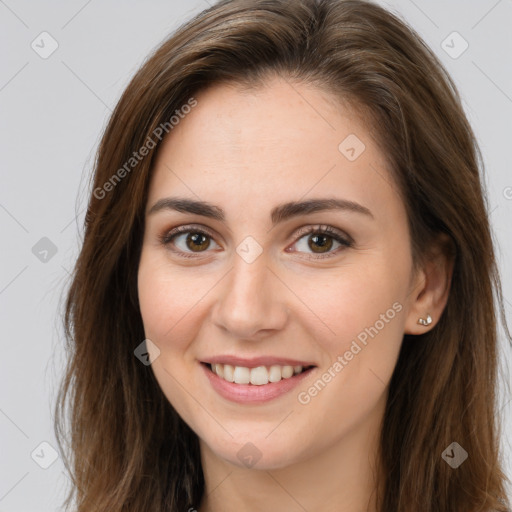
(252, 452)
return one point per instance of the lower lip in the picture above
(249, 393)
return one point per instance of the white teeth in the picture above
(219, 370)
(274, 374)
(228, 372)
(242, 375)
(257, 376)
(287, 372)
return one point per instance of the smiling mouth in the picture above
(258, 376)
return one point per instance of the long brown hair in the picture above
(128, 448)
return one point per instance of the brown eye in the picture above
(197, 241)
(186, 240)
(321, 240)
(320, 243)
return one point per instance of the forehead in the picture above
(281, 141)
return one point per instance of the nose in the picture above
(252, 300)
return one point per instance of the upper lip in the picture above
(254, 362)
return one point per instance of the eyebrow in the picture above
(278, 214)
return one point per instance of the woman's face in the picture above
(254, 275)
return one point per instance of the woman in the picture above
(284, 296)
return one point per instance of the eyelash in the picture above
(168, 237)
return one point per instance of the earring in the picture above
(427, 321)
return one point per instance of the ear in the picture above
(431, 286)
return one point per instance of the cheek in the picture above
(170, 312)
(361, 330)
(173, 303)
(165, 298)
(341, 304)
(361, 308)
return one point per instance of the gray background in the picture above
(53, 112)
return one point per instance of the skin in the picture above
(247, 152)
